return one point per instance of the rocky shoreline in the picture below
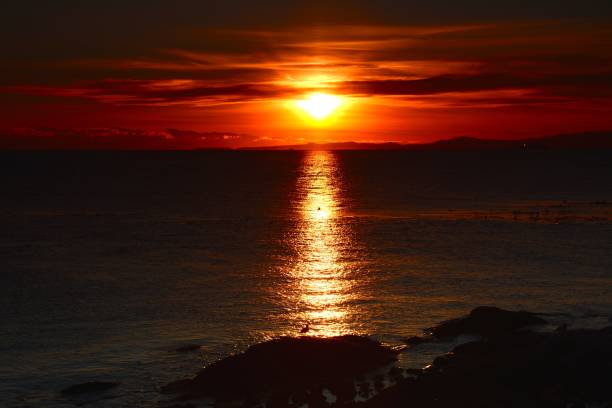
(509, 366)
(513, 368)
(516, 361)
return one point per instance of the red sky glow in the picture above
(233, 86)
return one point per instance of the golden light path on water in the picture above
(323, 285)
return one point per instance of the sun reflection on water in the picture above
(322, 285)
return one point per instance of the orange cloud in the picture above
(429, 69)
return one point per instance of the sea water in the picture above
(110, 261)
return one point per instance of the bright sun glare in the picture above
(319, 105)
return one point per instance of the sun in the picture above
(319, 105)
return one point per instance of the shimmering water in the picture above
(110, 261)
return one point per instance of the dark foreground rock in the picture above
(508, 367)
(521, 369)
(89, 387)
(287, 367)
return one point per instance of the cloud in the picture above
(158, 92)
(546, 60)
(567, 85)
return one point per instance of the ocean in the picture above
(110, 261)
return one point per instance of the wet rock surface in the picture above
(296, 369)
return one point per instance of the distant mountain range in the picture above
(574, 141)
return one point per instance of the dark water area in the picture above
(109, 261)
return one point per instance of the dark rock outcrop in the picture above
(486, 321)
(288, 366)
(89, 387)
(521, 369)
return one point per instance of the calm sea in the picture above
(110, 261)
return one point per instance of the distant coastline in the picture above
(117, 139)
(571, 141)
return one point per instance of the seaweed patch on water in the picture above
(541, 212)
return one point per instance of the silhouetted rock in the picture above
(379, 382)
(508, 367)
(486, 321)
(396, 373)
(278, 400)
(343, 390)
(94, 386)
(285, 365)
(520, 369)
(363, 389)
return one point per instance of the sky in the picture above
(188, 74)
